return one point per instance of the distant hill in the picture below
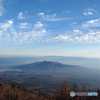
(19, 60)
(57, 69)
(46, 66)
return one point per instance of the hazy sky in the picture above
(50, 27)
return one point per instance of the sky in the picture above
(50, 27)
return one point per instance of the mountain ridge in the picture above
(46, 66)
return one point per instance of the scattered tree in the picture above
(84, 88)
(63, 91)
(74, 87)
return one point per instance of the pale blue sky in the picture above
(50, 27)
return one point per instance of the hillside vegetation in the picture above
(11, 92)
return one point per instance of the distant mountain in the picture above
(46, 66)
(6, 61)
(57, 69)
(47, 74)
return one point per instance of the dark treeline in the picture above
(12, 92)
(63, 92)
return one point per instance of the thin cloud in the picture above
(1, 32)
(30, 36)
(24, 25)
(38, 25)
(65, 12)
(1, 10)
(25, 11)
(21, 16)
(47, 10)
(92, 23)
(92, 36)
(76, 31)
(41, 13)
(73, 23)
(6, 24)
(39, 35)
(89, 11)
(23, 37)
(36, 34)
(51, 17)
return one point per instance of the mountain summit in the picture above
(45, 66)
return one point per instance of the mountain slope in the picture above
(45, 66)
(58, 69)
